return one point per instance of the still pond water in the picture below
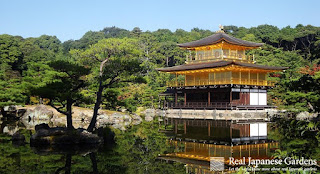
(143, 149)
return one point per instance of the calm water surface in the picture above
(139, 149)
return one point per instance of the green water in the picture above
(134, 151)
(137, 150)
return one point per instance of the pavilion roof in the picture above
(206, 65)
(218, 37)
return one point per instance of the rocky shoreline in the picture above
(33, 115)
(50, 125)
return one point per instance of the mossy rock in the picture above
(61, 136)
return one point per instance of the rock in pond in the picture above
(61, 136)
(17, 137)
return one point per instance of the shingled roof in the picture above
(218, 37)
(216, 64)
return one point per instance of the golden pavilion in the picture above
(218, 74)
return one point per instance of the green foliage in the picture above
(122, 65)
(68, 79)
(10, 52)
(12, 92)
(297, 138)
(137, 53)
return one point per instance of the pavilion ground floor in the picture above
(221, 97)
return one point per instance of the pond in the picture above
(144, 149)
(134, 151)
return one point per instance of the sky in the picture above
(71, 19)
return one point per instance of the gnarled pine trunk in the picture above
(69, 114)
(98, 99)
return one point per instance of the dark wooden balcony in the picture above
(214, 105)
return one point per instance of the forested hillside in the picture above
(130, 78)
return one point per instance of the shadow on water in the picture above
(135, 150)
(69, 151)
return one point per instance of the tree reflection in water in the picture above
(67, 167)
(297, 138)
(135, 151)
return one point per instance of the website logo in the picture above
(216, 163)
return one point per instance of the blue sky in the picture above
(70, 19)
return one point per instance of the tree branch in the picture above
(78, 87)
(58, 109)
(112, 80)
(102, 65)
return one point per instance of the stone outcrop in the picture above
(149, 114)
(117, 120)
(58, 136)
(10, 129)
(306, 116)
(10, 112)
(40, 112)
(81, 117)
(10, 108)
(136, 119)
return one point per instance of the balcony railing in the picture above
(217, 105)
(206, 82)
(214, 105)
(234, 57)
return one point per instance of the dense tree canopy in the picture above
(25, 63)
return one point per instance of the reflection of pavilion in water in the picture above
(218, 131)
(196, 156)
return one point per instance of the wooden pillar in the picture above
(249, 78)
(231, 130)
(185, 98)
(245, 130)
(209, 129)
(209, 98)
(175, 127)
(230, 96)
(176, 79)
(176, 98)
(185, 127)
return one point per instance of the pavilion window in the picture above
(197, 79)
(245, 77)
(218, 76)
(235, 95)
(225, 53)
(236, 76)
(217, 53)
(223, 76)
(210, 54)
(240, 54)
(228, 76)
(200, 55)
(211, 77)
(253, 77)
(262, 76)
(193, 55)
(207, 54)
(204, 79)
(233, 53)
(189, 80)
